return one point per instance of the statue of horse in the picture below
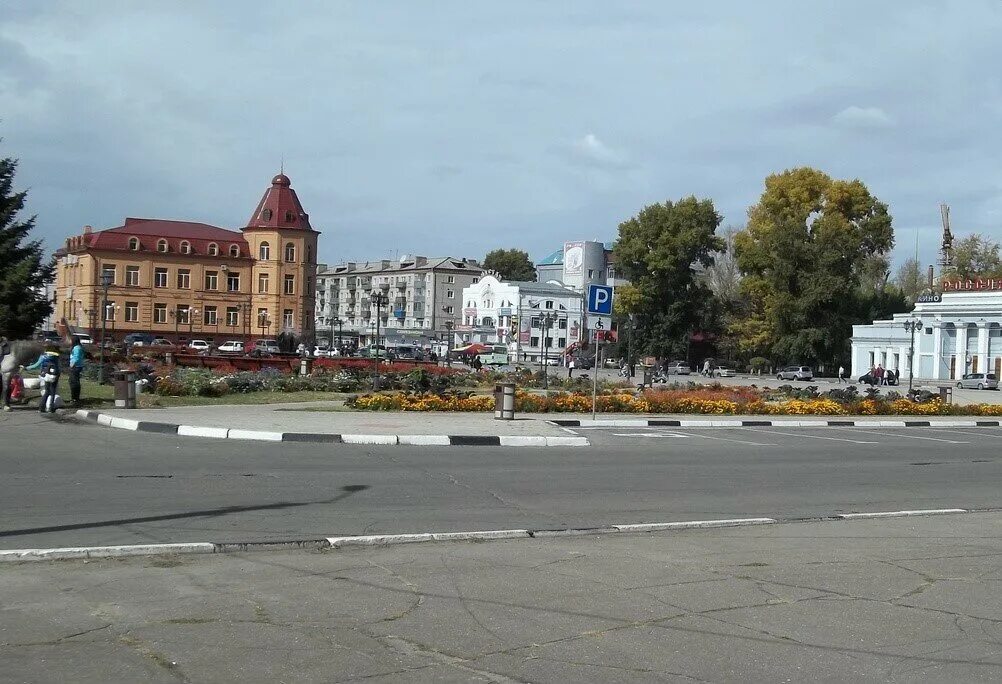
(21, 353)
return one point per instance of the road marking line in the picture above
(798, 434)
(971, 432)
(899, 514)
(909, 436)
(737, 441)
(647, 434)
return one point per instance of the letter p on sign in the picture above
(600, 300)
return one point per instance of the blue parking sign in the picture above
(600, 300)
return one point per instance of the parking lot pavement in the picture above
(792, 437)
(909, 599)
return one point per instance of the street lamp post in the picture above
(106, 279)
(378, 299)
(912, 326)
(191, 322)
(629, 347)
(449, 325)
(544, 355)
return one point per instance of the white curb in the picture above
(694, 524)
(522, 441)
(124, 423)
(196, 431)
(566, 441)
(369, 439)
(258, 435)
(379, 539)
(424, 440)
(104, 551)
(486, 534)
(104, 419)
(898, 514)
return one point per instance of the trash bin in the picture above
(946, 394)
(125, 389)
(504, 401)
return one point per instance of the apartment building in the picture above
(182, 280)
(418, 298)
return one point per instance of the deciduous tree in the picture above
(909, 279)
(512, 264)
(808, 241)
(976, 255)
(661, 251)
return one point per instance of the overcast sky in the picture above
(456, 127)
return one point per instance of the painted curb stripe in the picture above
(315, 437)
(256, 435)
(163, 428)
(474, 440)
(694, 524)
(105, 551)
(899, 514)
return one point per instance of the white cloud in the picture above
(590, 148)
(863, 117)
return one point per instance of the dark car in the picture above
(139, 339)
(869, 379)
(584, 362)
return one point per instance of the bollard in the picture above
(946, 394)
(125, 389)
(504, 401)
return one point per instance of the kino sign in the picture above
(972, 285)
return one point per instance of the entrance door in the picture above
(998, 366)
(974, 363)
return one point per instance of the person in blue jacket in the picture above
(76, 368)
(47, 366)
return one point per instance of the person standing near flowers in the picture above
(76, 369)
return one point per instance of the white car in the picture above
(723, 372)
(198, 345)
(231, 347)
(552, 361)
(85, 339)
(321, 351)
(678, 368)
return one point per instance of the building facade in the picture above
(422, 299)
(580, 264)
(533, 319)
(183, 280)
(960, 332)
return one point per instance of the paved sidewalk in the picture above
(879, 600)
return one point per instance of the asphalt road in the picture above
(66, 484)
(905, 600)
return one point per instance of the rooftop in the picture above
(406, 264)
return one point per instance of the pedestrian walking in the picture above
(570, 368)
(47, 366)
(76, 369)
(841, 374)
(4, 376)
(880, 374)
(706, 368)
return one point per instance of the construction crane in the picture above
(946, 249)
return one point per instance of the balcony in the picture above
(384, 286)
(401, 283)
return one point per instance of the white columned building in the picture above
(961, 333)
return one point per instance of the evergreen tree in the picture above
(23, 267)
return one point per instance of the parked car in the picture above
(138, 339)
(978, 381)
(796, 373)
(678, 368)
(321, 351)
(890, 378)
(49, 336)
(85, 338)
(724, 372)
(584, 363)
(552, 361)
(268, 346)
(162, 343)
(231, 347)
(198, 345)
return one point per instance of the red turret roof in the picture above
(280, 207)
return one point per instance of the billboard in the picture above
(573, 258)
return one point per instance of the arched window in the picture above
(264, 251)
(134, 244)
(213, 249)
(290, 252)
(161, 245)
(234, 250)
(266, 214)
(185, 247)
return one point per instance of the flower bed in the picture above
(705, 401)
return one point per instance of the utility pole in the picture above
(378, 299)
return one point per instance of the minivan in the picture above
(978, 381)
(795, 373)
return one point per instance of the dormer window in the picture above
(213, 249)
(234, 251)
(185, 247)
(289, 217)
(161, 245)
(266, 214)
(134, 244)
